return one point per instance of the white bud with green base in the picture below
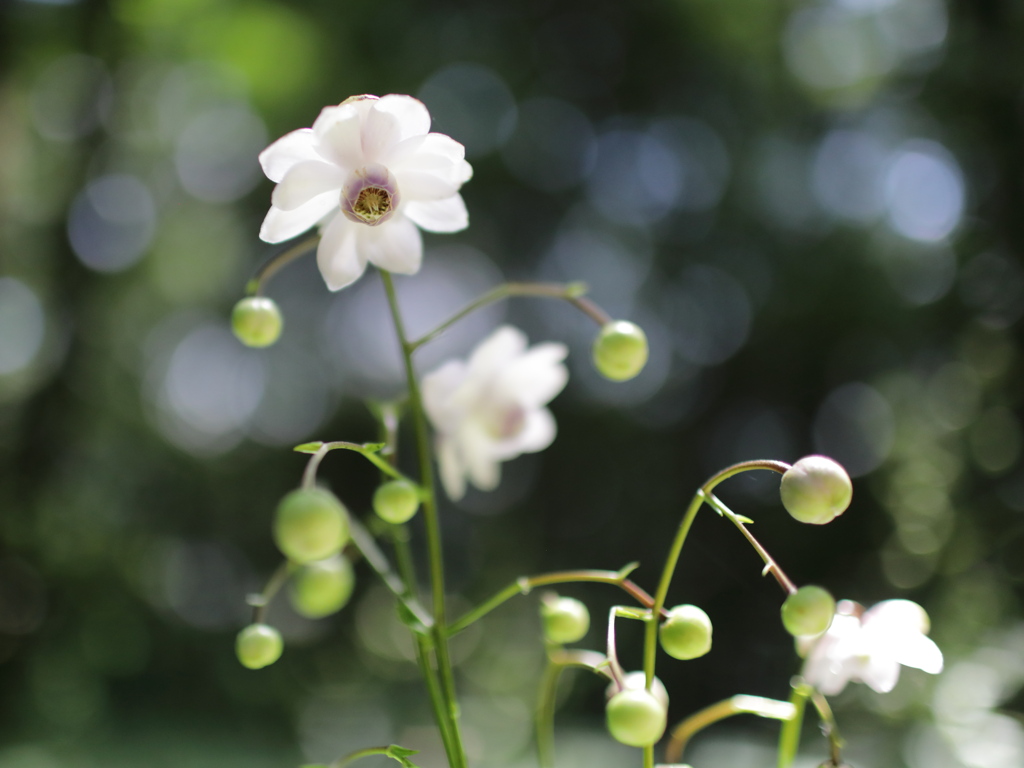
(816, 490)
(808, 611)
(620, 350)
(258, 646)
(396, 501)
(310, 524)
(686, 633)
(565, 619)
(256, 321)
(322, 587)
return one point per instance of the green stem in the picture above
(789, 734)
(740, 704)
(435, 562)
(341, 762)
(267, 270)
(524, 584)
(770, 566)
(260, 602)
(571, 292)
(557, 662)
(828, 725)
(651, 636)
(369, 451)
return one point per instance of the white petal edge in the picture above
(279, 225)
(538, 433)
(503, 345)
(447, 215)
(453, 474)
(337, 256)
(292, 148)
(537, 376)
(438, 387)
(411, 114)
(304, 181)
(340, 142)
(395, 245)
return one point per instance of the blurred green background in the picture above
(813, 207)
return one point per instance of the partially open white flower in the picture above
(369, 173)
(869, 646)
(490, 408)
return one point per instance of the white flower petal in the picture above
(304, 182)
(453, 474)
(918, 651)
(881, 673)
(826, 675)
(447, 215)
(502, 346)
(340, 261)
(395, 245)
(411, 115)
(482, 465)
(433, 153)
(538, 433)
(896, 615)
(279, 225)
(336, 113)
(292, 148)
(537, 376)
(340, 142)
(415, 186)
(380, 132)
(437, 388)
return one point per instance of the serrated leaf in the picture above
(309, 447)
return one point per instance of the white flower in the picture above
(369, 173)
(490, 408)
(869, 646)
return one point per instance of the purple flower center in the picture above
(370, 195)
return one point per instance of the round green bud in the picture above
(637, 681)
(396, 501)
(258, 646)
(256, 321)
(620, 350)
(635, 718)
(816, 490)
(323, 587)
(310, 524)
(565, 619)
(808, 611)
(686, 633)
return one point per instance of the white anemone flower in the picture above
(491, 408)
(371, 175)
(869, 647)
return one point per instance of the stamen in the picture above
(371, 204)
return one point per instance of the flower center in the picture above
(370, 195)
(505, 422)
(372, 203)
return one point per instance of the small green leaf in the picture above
(309, 447)
(373, 447)
(744, 519)
(577, 289)
(627, 569)
(401, 754)
(407, 617)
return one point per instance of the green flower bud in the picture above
(620, 350)
(256, 321)
(396, 501)
(686, 633)
(635, 718)
(808, 611)
(637, 681)
(310, 524)
(258, 646)
(816, 490)
(323, 587)
(566, 619)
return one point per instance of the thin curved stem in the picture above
(571, 292)
(525, 584)
(789, 734)
(651, 636)
(559, 661)
(368, 451)
(261, 601)
(741, 704)
(770, 566)
(276, 262)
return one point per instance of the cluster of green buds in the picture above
(311, 528)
